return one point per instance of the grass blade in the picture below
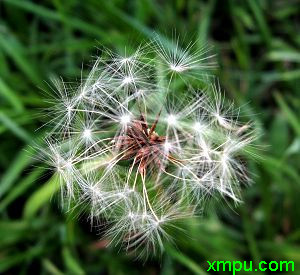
(291, 117)
(15, 128)
(11, 96)
(41, 197)
(186, 261)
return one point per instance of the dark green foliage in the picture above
(257, 44)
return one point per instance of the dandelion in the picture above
(141, 152)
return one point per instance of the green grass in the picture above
(257, 44)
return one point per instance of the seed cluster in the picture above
(144, 140)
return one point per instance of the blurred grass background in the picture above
(257, 43)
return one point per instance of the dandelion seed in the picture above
(177, 68)
(87, 133)
(171, 119)
(127, 80)
(198, 127)
(125, 119)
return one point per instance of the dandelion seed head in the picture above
(138, 155)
